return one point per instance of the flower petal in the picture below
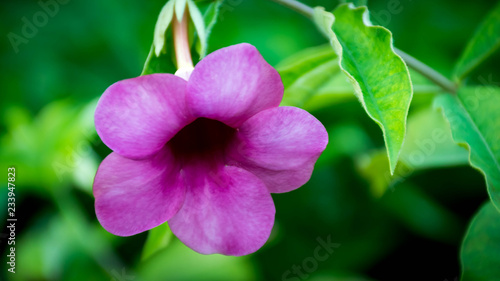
(136, 117)
(228, 212)
(232, 84)
(132, 196)
(280, 146)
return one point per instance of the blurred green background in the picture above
(412, 231)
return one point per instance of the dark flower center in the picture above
(201, 137)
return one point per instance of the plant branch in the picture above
(298, 7)
(412, 62)
(428, 72)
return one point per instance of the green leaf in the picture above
(374, 167)
(161, 57)
(159, 64)
(312, 75)
(484, 43)
(481, 245)
(162, 24)
(54, 148)
(210, 17)
(158, 238)
(474, 118)
(294, 67)
(313, 80)
(199, 25)
(180, 6)
(379, 76)
(428, 145)
(207, 20)
(158, 60)
(180, 263)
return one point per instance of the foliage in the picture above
(380, 77)
(480, 248)
(387, 199)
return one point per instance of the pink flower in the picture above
(204, 154)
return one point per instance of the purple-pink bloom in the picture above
(203, 154)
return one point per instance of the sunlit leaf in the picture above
(179, 6)
(158, 239)
(485, 41)
(374, 167)
(53, 148)
(480, 248)
(183, 264)
(428, 145)
(474, 118)
(199, 25)
(312, 79)
(204, 17)
(294, 67)
(162, 24)
(380, 77)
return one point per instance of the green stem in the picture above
(428, 72)
(298, 7)
(431, 74)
